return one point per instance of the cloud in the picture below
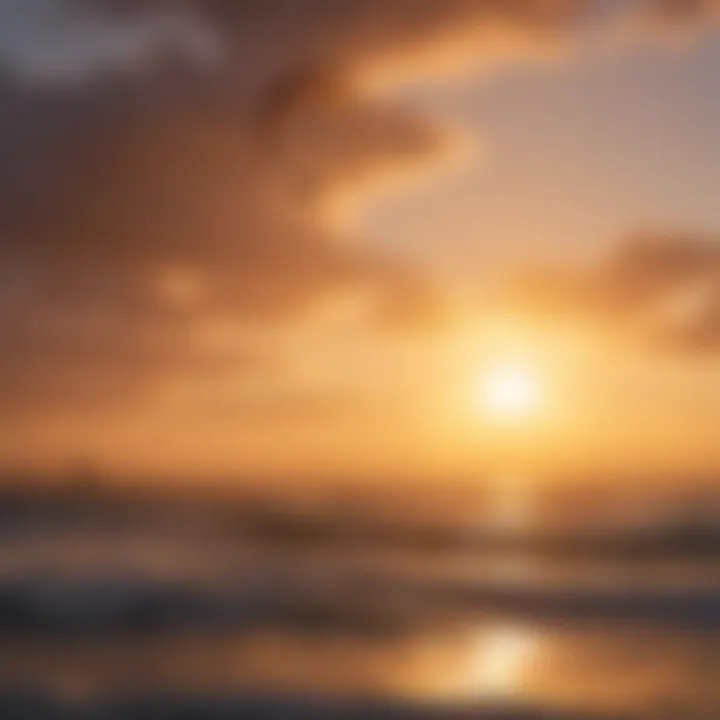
(146, 193)
(171, 164)
(660, 290)
(61, 41)
(670, 12)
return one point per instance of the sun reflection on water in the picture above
(499, 660)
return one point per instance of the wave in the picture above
(360, 608)
(169, 707)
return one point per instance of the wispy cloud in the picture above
(659, 290)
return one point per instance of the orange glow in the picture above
(512, 508)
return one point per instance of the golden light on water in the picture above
(499, 660)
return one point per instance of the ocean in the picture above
(131, 605)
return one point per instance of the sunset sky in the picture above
(299, 239)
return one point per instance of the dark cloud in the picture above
(145, 191)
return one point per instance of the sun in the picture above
(510, 390)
